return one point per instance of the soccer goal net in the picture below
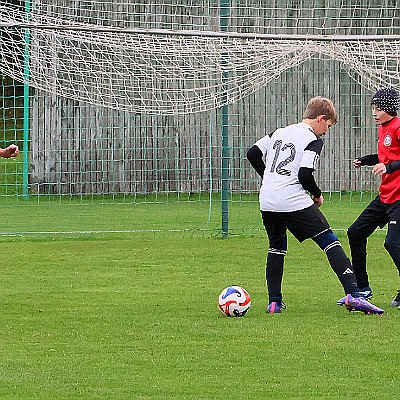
(170, 57)
(139, 99)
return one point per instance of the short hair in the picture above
(321, 106)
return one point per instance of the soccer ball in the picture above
(234, 301)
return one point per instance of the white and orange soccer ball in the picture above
(234, 301)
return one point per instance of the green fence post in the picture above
(25, 173)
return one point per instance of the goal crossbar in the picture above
(203, 33)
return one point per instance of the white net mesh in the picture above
(130, 56)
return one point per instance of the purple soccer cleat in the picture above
(361, 304)
(275, 307)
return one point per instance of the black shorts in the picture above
(303, 224)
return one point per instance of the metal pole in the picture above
(224, 22)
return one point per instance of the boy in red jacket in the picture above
(385, 208)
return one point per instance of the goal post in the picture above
(121, 97)
(224, 24)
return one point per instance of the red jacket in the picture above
(388, 152)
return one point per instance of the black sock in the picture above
(343, 269)
(274, 275)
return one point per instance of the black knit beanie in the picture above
(387, 99)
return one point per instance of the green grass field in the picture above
(102, 312)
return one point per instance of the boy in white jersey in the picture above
(286, 160)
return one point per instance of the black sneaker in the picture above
(364, 292)
(396, 301)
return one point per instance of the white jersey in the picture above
(286, 151)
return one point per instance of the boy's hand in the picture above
(10, 151)
(318, 200)
(379, 169)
